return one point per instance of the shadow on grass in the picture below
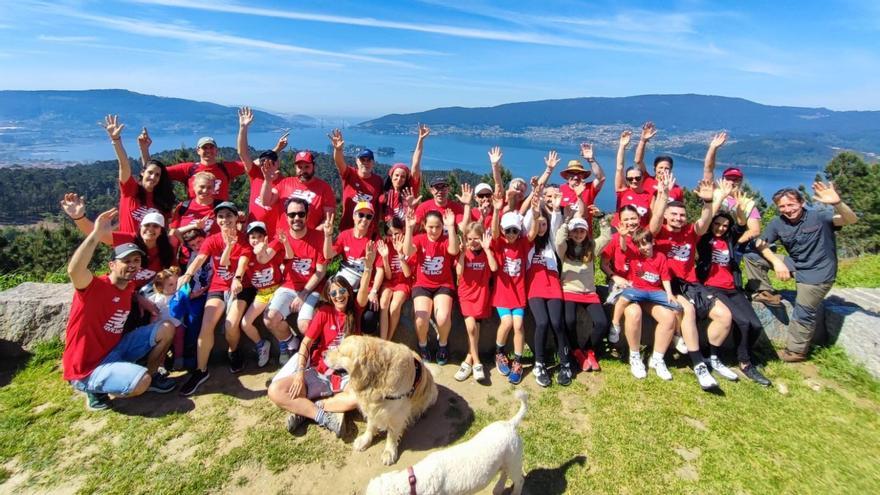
(551, 481)
(442, 424)
(152, 405)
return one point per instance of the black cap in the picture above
(271, 155)
(436, 181)
(123, 250)
(226, 205)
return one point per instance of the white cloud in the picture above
(67, 39)
(393, 52)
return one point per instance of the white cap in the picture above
(577, 223)
(154, 217)
(511, 219)
(482, 186)
(256, 225)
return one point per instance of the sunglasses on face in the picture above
(365, 159)
(634, 178)
(337, 293)
(296, 214)
(511, 231)
(368, 216)
(484, 196)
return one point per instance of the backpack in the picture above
(183, 207)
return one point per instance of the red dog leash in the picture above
(412, 480)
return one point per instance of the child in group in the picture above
(396, 274)
(164, 295)
(475, 266)
(651, 289)
(262, 278)
(509, 297)
(198, 294)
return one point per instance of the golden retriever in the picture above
(392, 385)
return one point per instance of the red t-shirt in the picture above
(473, 286)
(680, 248)
(131, 210)
(720, 275)
(641, 201)
(327, 329)
(257, 212)
(223, 275)
(434, 262)
(588, 195)
(262, 275)
(184, 172)
(151, 265)
(650, 184)
(616, 257)
(540, 280)
(510, 279)
(486, 219)
(392, 203)
(431, 205)
(194, 213)
(308, 253)
(648, 273)
(95, 325)
(396, 280)
(317, 193)
(356, 189)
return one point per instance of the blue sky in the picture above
(359, 58)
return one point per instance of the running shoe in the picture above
(722, 370)
(660, 368)
(196, 378)
(516, 373)
(502, 364)
(705, 377)
(541, 375)
(463, 372)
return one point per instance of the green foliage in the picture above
(857, 182)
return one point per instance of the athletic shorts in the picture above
(282, 298)
(431, 292)
(264, 295)
(502, 312)
(698, 295)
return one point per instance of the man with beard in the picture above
(314, 191)
(98, 359)
(304, 266)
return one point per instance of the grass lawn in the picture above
(816, 431)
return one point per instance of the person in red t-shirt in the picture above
(474, 269)
(662, 165)
(264, 173)
(317, 193)
(483, 211)
(98, 359)
(261, 280)
(229, 252)
(434, 286)
(153, 193)
(628, 184)
(575, 186)
(509, 297)
(306, 387)
(395, 270)
(224, 172)
(197, 213)
(358, 183)
(440, 202)
(628, 222)
(403, 182)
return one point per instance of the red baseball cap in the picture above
(304, 156)
(732, 173)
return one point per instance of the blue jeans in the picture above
(649, 296)
(118, 374)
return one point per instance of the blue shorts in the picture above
(502, 312)
(649, 296)
(118, 374)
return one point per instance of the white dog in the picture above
(464, 468)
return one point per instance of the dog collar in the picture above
(415, 384)
(412, 480)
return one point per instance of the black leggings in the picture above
(597, 316)
(548, 312)
(744, 319)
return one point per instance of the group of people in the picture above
(178, 268)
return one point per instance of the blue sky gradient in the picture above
(365, 59)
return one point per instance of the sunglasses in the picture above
(337, 293)
(368, 216)
(484, 196)
(634, 178)
(511, 231)
(365, 159)
(296, 214)
(441, 187)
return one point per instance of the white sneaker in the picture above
(680, 346)
(479, 373)
(263, 349)
(637, 367)
(463, 372)
(722, 370)
(613, 294)
(614, 334)
(660, 368)
(704, 377)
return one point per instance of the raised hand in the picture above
(397, 242)
(282, 142)
(74, 205)
(144, 140)
(230, 236)
(495, 155)
(424, 131)
(825, 193)
(498, 201)
(382, 248)
(113, 127)
(336, 139)
(245, 116)
(625, 138)
(282, 237)
(649, 130)
(201, 222)
(725, 186)
(328, 224)
(551, 160)
(536, 203)
(668, 181)
(370, 253)
(533, 182)
(411, 220)
(486, 240)
(466, 195)
(104, 222)
(449, 221)
(595, 212)
(705, 190)
(744, 203)
(269, 168)
(718, 140)
(587, 151)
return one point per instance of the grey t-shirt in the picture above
(811, 244)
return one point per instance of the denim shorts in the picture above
(649, 296)
(118, 374)
(502, 312)
(282, 298)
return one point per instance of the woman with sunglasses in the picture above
(509, 298)
(629, 186)
(400, 179)
(435, 252)
(306, 387)
(229, 252)
(629, 222)
(352, 245)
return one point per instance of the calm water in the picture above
(523, 157)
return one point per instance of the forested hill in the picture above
(29, 194)
(680, 113)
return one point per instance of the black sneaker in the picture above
(196, 378)
(541, 375)
(236, 363)
(425, 354)
(294, 421)
(563, 376)
(161, 384)
(97, 401)
(752, 373)
(442, 355)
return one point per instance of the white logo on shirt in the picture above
(362, 197)
(116, 322)
(680, 252)
(141, 211)
(512, 266)
(304, 194)
(116, 299)
(433, 266)
(720, 257)
(144, 274)
(223, 272)
(650, 277)
(264, 277)
(301, 266)
(476, 265)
